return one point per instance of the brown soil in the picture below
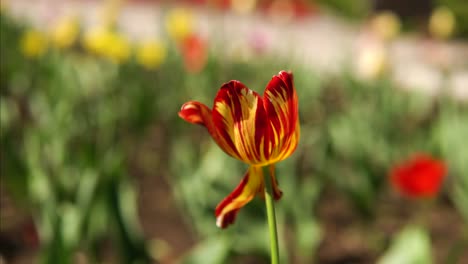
(350, 239)
(160, 217)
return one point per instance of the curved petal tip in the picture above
(251, 185)
(194, 112)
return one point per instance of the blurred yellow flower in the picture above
(64, 32)
(151, 54)
(106, 43)
(442, 23)
(33, 43)
(179, 23)
(386, 25)
(96, 39)
(118, 48)
(3, 5)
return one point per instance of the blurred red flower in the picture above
(419, 177)
(194, 51)
(288, 9)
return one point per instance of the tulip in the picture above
(442, 23)
(95, 39)
(194, 53)
(118, 48)
(372, 60)
(33, 43)
(151, 54)
(179, 24)
(386, 25)
(65, 32)
(419, 177)
(109, 44)
(259, 131)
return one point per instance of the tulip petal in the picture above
(198, 113)
(240, 119)
(281, 106)
(251, 185)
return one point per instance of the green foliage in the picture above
(209, 251)
(59, 136)
(69, 122)
(460, 10)
(449, 133)
(351, 9)
(412, 245)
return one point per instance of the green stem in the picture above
(270, 206)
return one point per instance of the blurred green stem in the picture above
(270, 206)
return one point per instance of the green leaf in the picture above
(86, 189)
(411, 246)
(70, 224)
(209, 251)
(128, 207)
(8, 113)
(309, 236)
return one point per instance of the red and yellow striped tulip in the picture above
(259, 131)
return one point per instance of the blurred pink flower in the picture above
(259, 41)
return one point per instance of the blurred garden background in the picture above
(97, 167)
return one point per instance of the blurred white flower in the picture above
(459, 85)
(439, 54)
(238, 50)
(419, 77)
(372, 59)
